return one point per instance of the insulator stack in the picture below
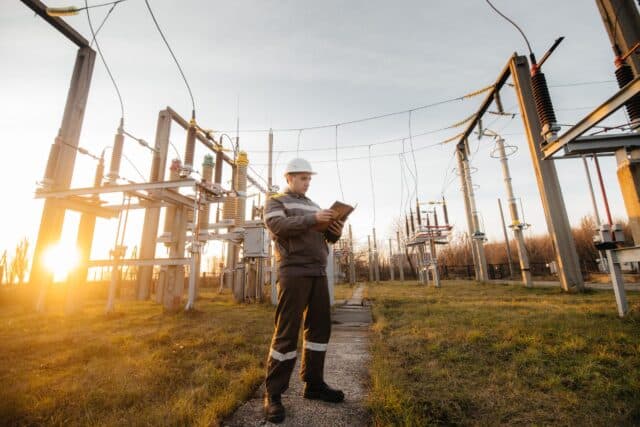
(413, 226)
(406, 224)
(207, 168)
(242, 163)
(446, 213)
(52, 163)
(207, 175)
(624, 76)
(116, 157)
(418, 213)
(190, 149)
(544, 106)
(97, 180)
(428, 221)
(174, 174)
(435, 217)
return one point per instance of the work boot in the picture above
(273, 408)
(322, 391)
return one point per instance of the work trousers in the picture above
(298, 297)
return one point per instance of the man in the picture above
(292, 219)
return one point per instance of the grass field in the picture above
(494, 354)
(139, 367)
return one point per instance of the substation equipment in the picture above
(622, 23)
(425, 236)
(187, 227)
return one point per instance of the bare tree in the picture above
(20, 262)
(3, 267)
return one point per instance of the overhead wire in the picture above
(104, 62)
(184, 78)
(515, 25)
(376, 117)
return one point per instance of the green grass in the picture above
(342, 291)
(470, 354)
(138, 367)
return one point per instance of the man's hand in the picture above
(324, 215)
(336, 227)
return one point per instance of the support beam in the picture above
(52, 216)
(149, 236)
(607, 108)
(548, 184)
(58, 23)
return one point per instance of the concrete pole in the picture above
(53, 213)
(400, 258)
(331, 273)
(548, 183)
(506, 239)
(391, 261)
(516, 225)
(84, 242)
(434, 263)
(152, 215)
(603, 255)
(242, 163)
(594, 204)
(479, 260)
(376, 258)
(370, 259)
(174, 283)
(352, 260)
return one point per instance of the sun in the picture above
(61, 259)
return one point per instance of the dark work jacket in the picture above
(300, 250)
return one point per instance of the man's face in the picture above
(299, 182)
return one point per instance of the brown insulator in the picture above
(116, 157)
(624, 76)
(190, 146)
(446, 213)
(542, 98)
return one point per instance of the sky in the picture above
(298, 64)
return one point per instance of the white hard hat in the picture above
(298, 165)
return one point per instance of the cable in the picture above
(380, 116)
(193, 103)
(104, 62)
(515, 25)
(134, 167)
(104, 20)
(415, 164)
(338, 165)
(176, 150)
(388, 141)
(298, 145)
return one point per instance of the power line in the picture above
(155, 21)
(104, 62)
(104, 20)
(380, 116)
(515, 25)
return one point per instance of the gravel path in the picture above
(346, 368)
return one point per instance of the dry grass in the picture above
(139, 367)
(469, 354)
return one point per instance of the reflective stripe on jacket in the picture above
(300, 250)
